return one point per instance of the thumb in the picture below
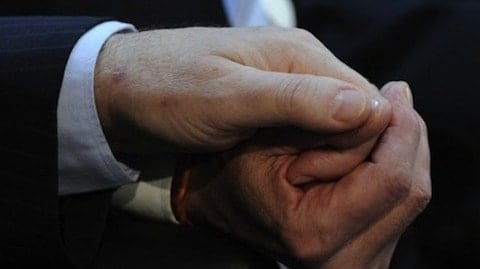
(326, 163)
(315, 103)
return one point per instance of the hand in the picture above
(353, 221)
(206, 89)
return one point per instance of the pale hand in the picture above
(306, 215)
(206, 89)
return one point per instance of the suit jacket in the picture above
(33, 53)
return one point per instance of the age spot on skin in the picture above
(118, 75)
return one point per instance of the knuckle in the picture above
(398, 182)
(399, 84)
(300, 98)
(413, 124)
(421, 195)
(304, 34)
(412, 119)
(420, 201)
(290, 93)
(308, 37)
(422, 125)
(417, 129)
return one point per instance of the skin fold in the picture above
(302, 158)
(206, 89)
(352, 221)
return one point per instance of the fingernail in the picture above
(407, 93)
(348, 105)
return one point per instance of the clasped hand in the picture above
(206, 89)
(309, 208)
(329, 170)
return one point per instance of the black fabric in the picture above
(143, 13)
(33, 53)
(151, 244)
(435, 47)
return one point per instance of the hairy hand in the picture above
(206, 89)
(293, 208)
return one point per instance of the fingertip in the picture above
(382, 109)
(398, 90)
(379, 104)
(408, 95)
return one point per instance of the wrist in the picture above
(106, 83)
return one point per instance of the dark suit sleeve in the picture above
(33, 54)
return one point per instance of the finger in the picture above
(343, 152)
(418, 197)
(295, 140)
(374, 187)
(385, 232)
(420, 191)
(320, 104)
(314, 159)
(326, 164)
(398, 91)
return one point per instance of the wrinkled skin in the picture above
(206, 89)
(290, 202)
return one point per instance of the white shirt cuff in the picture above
(149, 199)
(251, 13)
(85, 161)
